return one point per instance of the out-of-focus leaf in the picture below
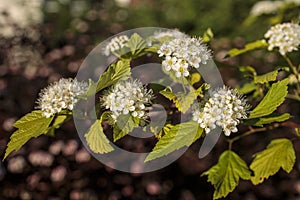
(248, 47)
(208, 35)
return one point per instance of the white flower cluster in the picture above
(60, 95)
(173, 33)
(225, 108)
(128, 97)
(19, 14)
(285, 36)
(265, 7)
(181, 53)
(116, 44)
(270, 7)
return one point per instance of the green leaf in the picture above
(97, 140)
(182, 80)
(163, 131)
(265, 78)
(194, 78)
(182, 101)
(279, 153)
(168, 93)
(58, 121)
(124, 125)
(115, 72)
(92, 88)
(178, 136)
(136, 44)
(270, 119)
(272, 100)
(247, 70)
(31, 125)
(208, 35)
(153, 49)
(226, 174)
(248, 47)
(247, 88)
(202, 89)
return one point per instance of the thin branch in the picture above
(293, 96)
(250, 132)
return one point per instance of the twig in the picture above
(249, 132)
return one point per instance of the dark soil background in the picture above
(58, 168)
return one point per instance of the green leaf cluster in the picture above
(225, 175)
(183, 101)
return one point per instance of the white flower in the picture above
(128, 96)
(115, 44)
(225, 108)
(182, 53)
(173, 33)
(285, 36)
(265, 7)
(60, 95)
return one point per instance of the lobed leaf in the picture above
(226, 173)
(31, 125)
(279, 154)
(97, 140)
(272, 100)
(136, 44)
(176, 137)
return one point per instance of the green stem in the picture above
(182, 83)
(291, 65)
(293, 96)
(294, 70)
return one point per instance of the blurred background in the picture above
(44, 40)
